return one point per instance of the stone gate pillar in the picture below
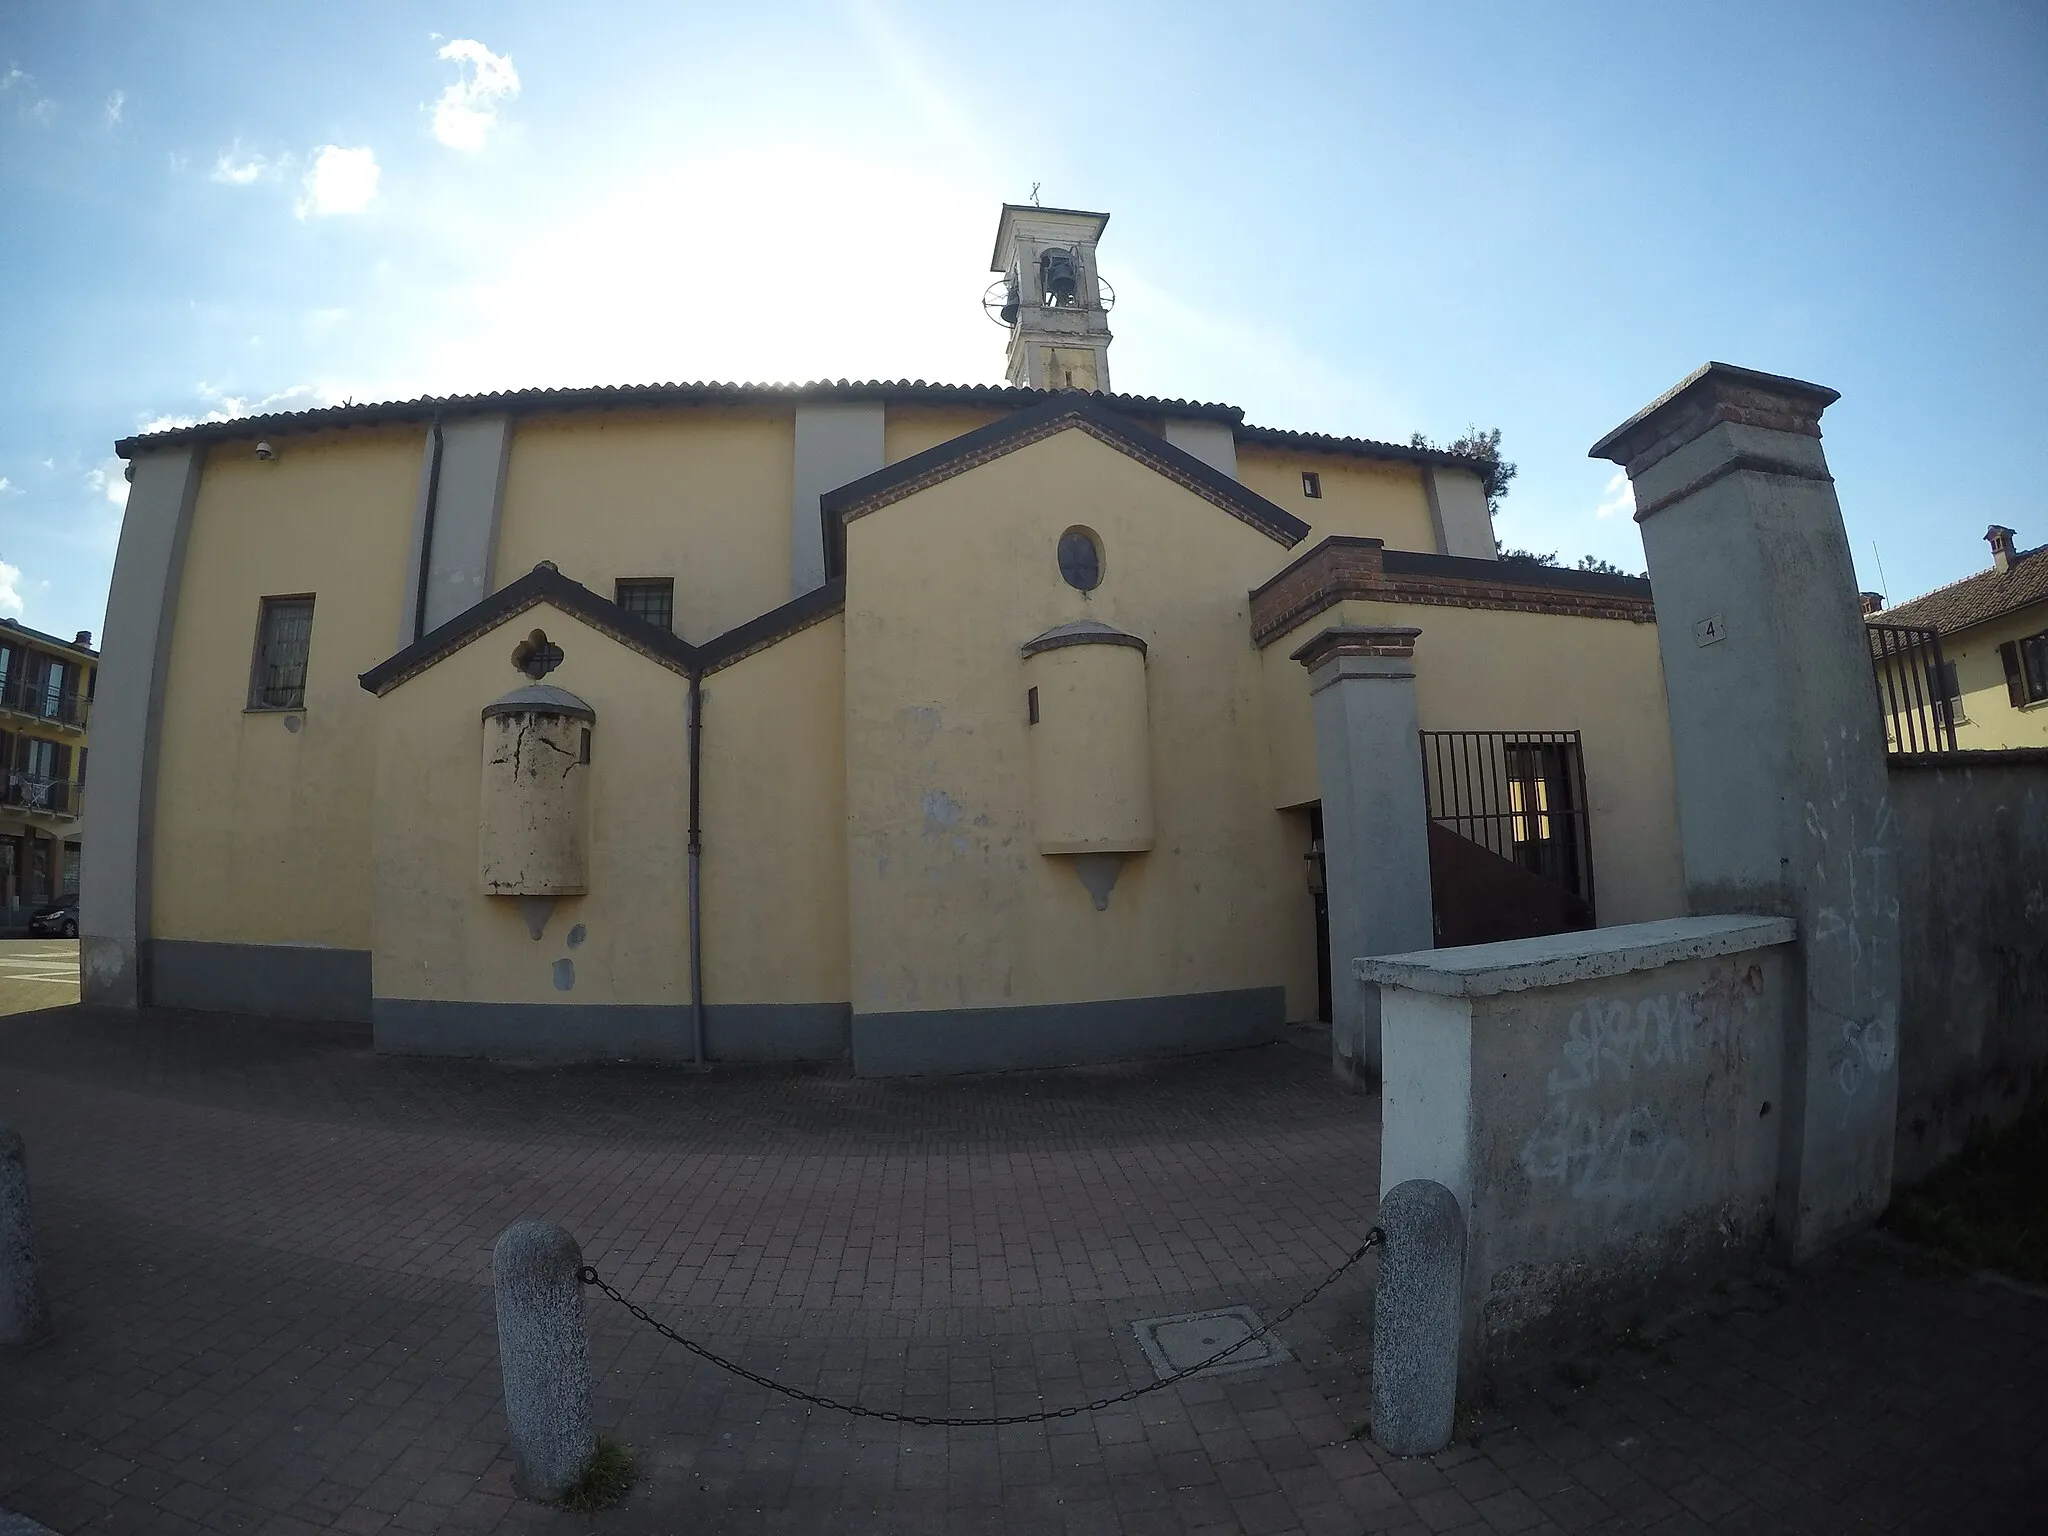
(1780, 753)
(1375, 820)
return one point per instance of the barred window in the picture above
(284, 636)
(652, 598)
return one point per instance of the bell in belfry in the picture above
(1061, 288)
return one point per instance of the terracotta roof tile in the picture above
(1976, 599)
(654, 396)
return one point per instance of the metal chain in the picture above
(589, 1276)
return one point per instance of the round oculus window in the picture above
(1080, 559)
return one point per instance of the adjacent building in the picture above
(951, 727)
(1982, 652)
(46, 691)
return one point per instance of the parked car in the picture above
(59, 920)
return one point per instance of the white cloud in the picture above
(1617, 498)
(339, 181)
(224, 407)
(28, 101)
(10, 590)
(115, 104)
(109, 477)
(467, 110)
(236, 169)
(9, 488)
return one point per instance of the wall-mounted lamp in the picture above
(1317, 885)
(265, 452)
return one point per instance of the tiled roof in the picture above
(1360, 447)
(614, 397)
(1976, 599)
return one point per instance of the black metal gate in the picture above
(1510, 849)
(1916, 688)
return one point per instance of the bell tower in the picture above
(1051, 298)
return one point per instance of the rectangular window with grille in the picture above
(652, 598)
(284, 638)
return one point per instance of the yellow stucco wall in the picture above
(909, 429)
(1479, 669)
(436, 935)
(951, 904)
(699, 494)
(263, 833)
(775, 823)
(1362, 498)
(1989, 719)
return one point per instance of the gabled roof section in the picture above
(1359, 448)
(545, 584)
(1976, 599)
(1068, 409)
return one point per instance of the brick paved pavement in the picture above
(268, 1252)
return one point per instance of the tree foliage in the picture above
(1495, 472)
(1549, 557)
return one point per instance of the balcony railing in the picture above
(39, 796)
(25, 696)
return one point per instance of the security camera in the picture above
(265, 452)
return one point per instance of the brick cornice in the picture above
(1343, 568)
(1715, 393)
(1387, 642)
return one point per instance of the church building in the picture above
(942, 727)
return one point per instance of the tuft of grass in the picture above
(1988, 1208)
(606, 1478)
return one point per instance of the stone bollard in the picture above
(1416, 1317)
(24, 1308)
(544, 1354)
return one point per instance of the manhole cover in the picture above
(1173, 1344)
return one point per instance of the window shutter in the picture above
(2015, 683)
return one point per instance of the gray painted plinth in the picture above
(308, 982)
(1064, 1034)
(24, 1307)
(1415, 1319)
(565, 1032)
(544, 1353)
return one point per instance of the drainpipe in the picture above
(696, 896)
(419, 598)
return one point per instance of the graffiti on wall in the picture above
(1603, 1153)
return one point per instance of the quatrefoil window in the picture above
(537, 655)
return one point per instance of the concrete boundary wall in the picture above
(1605, 1105)
(1972, 832)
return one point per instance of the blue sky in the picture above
(1369, 219)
